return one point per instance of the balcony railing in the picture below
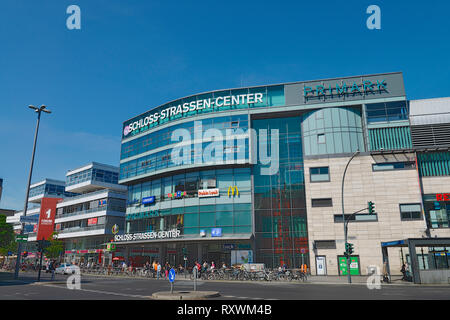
(100, 208)
(109, 191)
(79, 229)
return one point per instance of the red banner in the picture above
(47, 218)
(92, 221)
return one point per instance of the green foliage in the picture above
(56, 247)
(7, 237)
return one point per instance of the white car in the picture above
(66, 268)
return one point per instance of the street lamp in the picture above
(19, 247)
(343, 215)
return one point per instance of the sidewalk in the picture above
(355, 280)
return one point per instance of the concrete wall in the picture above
(436, 185)
(387, 189)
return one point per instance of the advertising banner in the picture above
(354, 265)
(203, 193)
(241, 256)
(47, 218)
(92, 221)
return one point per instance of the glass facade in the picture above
(190, 213)
(333, 131)
(163, 160)
(279, 200)
(271, 96)
(163, 137)
(47, 189)
(93, 174)
(387, 111)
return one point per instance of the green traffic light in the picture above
(371, 206)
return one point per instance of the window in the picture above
(321, 138)
(389, 111)
(393, 166)
(322, 202)
(325, 244)
(319, 174)
(410, 212)
(361, 217)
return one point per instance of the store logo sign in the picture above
(344, 89)
(443, 197)
(208, 193)
(115, 229)
(126, 130)
(143, 215)
(233, 190)
(177, 195)
(216, 232)
(174, 233)
(191, 108)
(148, 200)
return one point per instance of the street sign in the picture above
(172, 275)
(22, 238)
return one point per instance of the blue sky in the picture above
(130, 56)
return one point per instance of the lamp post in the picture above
(19, 247)
(343, 216)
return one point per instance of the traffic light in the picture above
(184, 251)
(371, 207)
(25, 254)
(349, 248)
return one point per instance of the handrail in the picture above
(93, 194)
(77, 229)
(101, 208)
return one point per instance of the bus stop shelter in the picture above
(420, 276)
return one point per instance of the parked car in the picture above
(66, 268)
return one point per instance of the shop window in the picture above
(410, 212)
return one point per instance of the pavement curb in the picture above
(185, 295)
(48, 282)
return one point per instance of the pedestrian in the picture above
(385, 272)
(198, 267)
(158, 270)
(403, 271)
(52, 268)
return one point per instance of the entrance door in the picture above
(321, 266)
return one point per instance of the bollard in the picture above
(195, 278)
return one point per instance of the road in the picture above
(111, 288)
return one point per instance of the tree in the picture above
(7, 237)
(56, 247)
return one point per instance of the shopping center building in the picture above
(255, 175)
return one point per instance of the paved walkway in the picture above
(344, 279)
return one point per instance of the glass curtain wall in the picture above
(280, 207)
